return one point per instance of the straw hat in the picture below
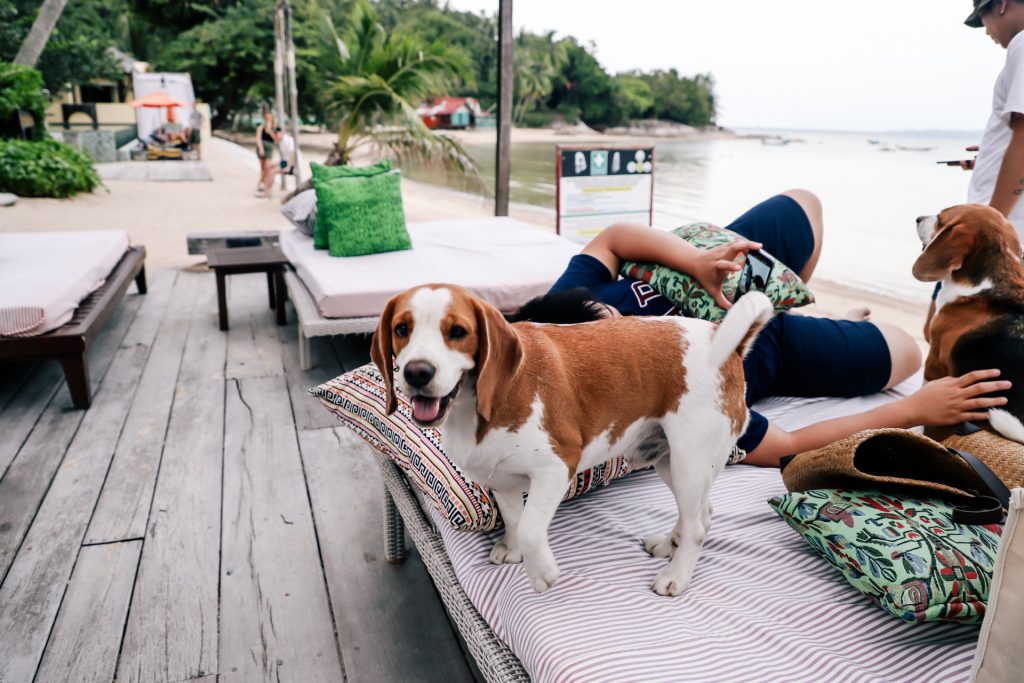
(902, 458)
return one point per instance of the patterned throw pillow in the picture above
(904, 553)
(784, 287)
(359, 399)
(300, 211)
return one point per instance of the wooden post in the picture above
(293, 91)
(279, 68)
(503, 162)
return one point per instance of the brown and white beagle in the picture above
(979, 311)
(524, 407)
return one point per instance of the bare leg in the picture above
(903, 350)
(811, 205)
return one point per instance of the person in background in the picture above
(998, 170)
(265, 153)
(195, 135)
(286, 145)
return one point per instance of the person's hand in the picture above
(968, 164)
(952, 400)
(714, 265)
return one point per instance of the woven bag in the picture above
(1004, 457)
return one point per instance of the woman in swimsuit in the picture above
(265, 152)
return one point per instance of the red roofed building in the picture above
(451, 112)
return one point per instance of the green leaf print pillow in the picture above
(783, 287)
(904, 552)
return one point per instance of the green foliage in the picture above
(21, 88)
(686, 100)
(635, 96)
(585, 86)
(44, 168)
(77, 48)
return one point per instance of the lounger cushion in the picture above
(359, 399)
(901, 550)
(45, 275)
(784, 287)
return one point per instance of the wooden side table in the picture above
(267, 259)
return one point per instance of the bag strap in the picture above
(1000, 492)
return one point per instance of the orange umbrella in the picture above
(159, 99)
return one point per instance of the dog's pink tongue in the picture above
(425, 409)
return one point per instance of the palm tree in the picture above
(374, 82)
(39, 34)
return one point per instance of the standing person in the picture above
(195, 132)
(265, 153)
(286, 145)
(998, 178)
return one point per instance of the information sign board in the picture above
(600, 186)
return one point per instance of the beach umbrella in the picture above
(158, 100)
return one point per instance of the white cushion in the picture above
(45, 275)
(503, 261)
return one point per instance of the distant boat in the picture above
(874, 142)
(904, 148)
(777, 142)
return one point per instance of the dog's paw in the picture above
(659, 545)
(542, 578)
(502, 553)
(667, 582)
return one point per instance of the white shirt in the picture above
(287, 145)
(1007, 98)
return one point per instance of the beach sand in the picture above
(160, 215)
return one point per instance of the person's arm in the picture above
(259, 140)
(946, 401)
(634, 242)
(1010, 181)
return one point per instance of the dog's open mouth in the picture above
(430, 410)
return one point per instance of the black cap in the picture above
(974, 21)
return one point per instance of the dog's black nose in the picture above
(921, 218)
(419, 373)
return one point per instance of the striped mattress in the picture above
(762, 605)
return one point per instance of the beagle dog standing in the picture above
(524, 407)
(979, 311)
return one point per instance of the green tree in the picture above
(377, 80)
(586, 89)
(637, 99)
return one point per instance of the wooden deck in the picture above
(205, 519)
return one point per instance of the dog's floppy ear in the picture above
(382, 352)
(944, 254)
(499, 355)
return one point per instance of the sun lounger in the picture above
(502, 260)
(76, 279)
(762, 605)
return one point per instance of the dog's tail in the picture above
(1006, 424)
(740, 327)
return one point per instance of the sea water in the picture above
(872, 185)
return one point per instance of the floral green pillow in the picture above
(363, 215)
(784, 287)
(903, 552)
(323, 174)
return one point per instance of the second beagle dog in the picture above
(523, 407)
(979, 311)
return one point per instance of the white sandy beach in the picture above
(160, 215)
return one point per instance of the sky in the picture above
(861, 65)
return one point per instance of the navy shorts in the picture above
(798, 355)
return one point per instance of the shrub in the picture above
(44, 168)
(21, 88)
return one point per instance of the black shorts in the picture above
(797, 355)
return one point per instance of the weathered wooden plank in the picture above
(172, 625)
(29, 476)
(309, 414)
(31, 593)
(25, 408)
(390, 621)
(253, 347)
(123, 508)
(87, 634)
(275, 617)
(12, 375)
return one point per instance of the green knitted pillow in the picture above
(362, 214)
(784, 287)
(903, 552)
(322, 174)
